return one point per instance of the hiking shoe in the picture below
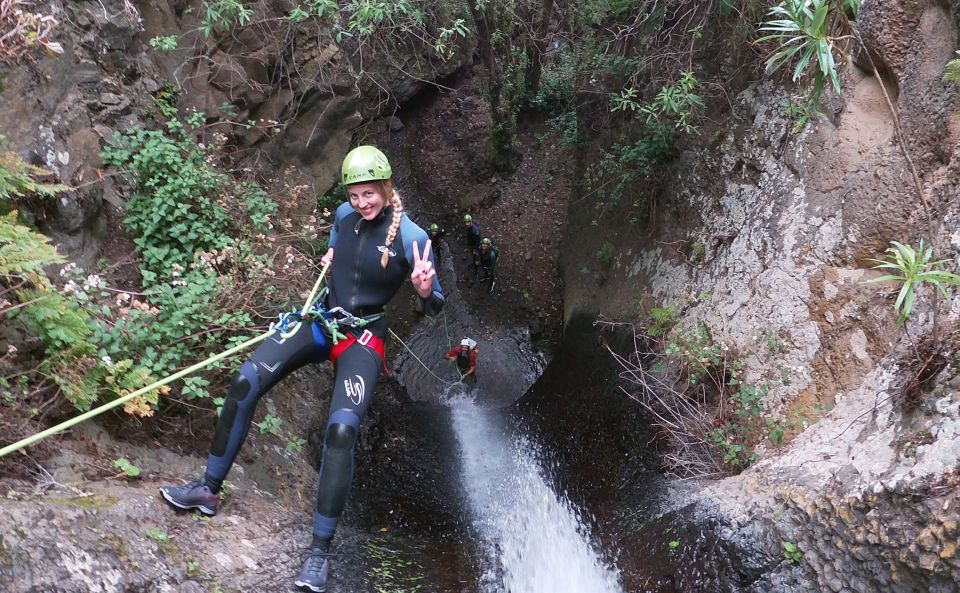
(313, 575)
(194, 495)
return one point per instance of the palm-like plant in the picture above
(800, 27)
(912, 268)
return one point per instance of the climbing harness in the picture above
(287, 324)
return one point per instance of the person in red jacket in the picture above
(466, 356)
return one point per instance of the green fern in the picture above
(19, 179)
(662, 318)
(23, 252)
(953, 70)
(77, 375)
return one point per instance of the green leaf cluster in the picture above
(59, 322)
(257, 205)
(677, 103)
(626, 161)
(174, 212)
(123, 464)
(661, 321)
(606, 253)
(792, 553)
(270, 425)
(219, 15)
(164, 43)
(182, 326)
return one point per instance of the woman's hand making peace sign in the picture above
(423, 272)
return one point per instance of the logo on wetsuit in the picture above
(354, 390)
(270, 369)
(383, 249)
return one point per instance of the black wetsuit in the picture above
(358, 284)
(435, 237)
(488, 265)
(473, 237)
(473, 244)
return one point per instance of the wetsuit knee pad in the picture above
(243, 388)
(336, 466)
(340, 436)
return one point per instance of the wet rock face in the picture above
(56, 113)
(897, 535)
(783, 224)
(59, 112)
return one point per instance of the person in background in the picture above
(473, 244)
(436, 234)
(466, 357)
(374, 249)
(488, 263)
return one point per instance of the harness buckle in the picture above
(286, 320)
(365, 337)
(342, 316)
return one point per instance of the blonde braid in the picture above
(394, 224)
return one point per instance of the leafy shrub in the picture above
(952, 73)
(60, 323)
(625, 162)
(677, 103)
(181, 321)
(695, 390)
(23, 252)
(223, 14)
(19, 179)
(257, 205)
(164, 43)
(792, 553)
(173, 212)
(60, 320)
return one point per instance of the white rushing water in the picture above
(536, 542)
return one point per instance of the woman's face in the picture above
(367, 199)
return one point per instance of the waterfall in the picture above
(535, 539)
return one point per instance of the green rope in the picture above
(450, 341)
(429, 370)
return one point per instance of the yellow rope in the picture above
(160, 383)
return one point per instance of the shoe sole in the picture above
(309, 587)
(195, 507)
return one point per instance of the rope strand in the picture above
(414, 354)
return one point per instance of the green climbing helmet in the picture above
(487, 241)
(467, 218)
(434, 227)
(363, 164)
